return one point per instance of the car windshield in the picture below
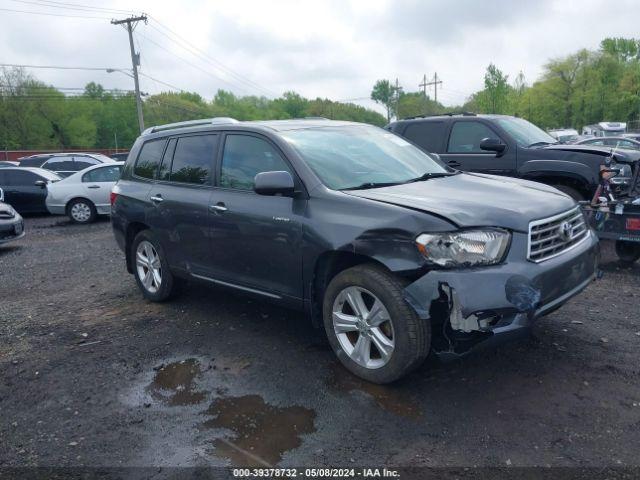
(361, 156)
(525, 133)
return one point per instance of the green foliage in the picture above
(36, 116)
(385, 94)
(579, 89)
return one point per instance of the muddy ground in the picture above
(92, 374)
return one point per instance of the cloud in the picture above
(332, 48)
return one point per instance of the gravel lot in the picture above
(94, 375)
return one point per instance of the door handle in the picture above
(453, 163)
(218, 208)
(156, 198)
(93, 186)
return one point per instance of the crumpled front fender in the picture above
(502, 298)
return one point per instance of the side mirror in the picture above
(272, 183)
(492, 145)
(1, 195)
(40, 183)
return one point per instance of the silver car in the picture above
(85, 194)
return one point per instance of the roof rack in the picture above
(447, 114)
(191, 123)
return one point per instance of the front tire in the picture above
(82, 211)
(150, 268)
(373, 331)
(627, 252)
(572, 192)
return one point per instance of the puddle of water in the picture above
(261, 433)
(174, 384)
(386, 397)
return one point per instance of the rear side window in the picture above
(427, 135)
(84, 162)
(466, 137)
(244, 157)
(193, 159)
(103, 174)
(149, 158)
(60, 164)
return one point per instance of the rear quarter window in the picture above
(427, 135)
(149, 158)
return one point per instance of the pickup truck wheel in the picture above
(371, 328)
(572, 192)
(628, 252)
(151, 269)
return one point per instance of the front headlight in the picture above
(464, 248)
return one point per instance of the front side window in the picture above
(21, 178)
(244, 157)
(466, 137)
(149, 158)
(193, 159)
(360, 156)
(103, 174)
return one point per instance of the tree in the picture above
(625, 49)
(495, 96)
(384, 93)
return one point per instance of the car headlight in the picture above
(464, 248)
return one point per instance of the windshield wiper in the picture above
(430, 175)
(366, 185)
(540, 144)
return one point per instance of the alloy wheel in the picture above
(363, 327)
(148, 266)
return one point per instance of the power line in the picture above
(207, 57)
(71, 6)
(59, 67)
(213, 75)
(161, 82)
(52, 14)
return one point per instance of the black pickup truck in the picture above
(504, 145)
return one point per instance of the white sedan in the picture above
(85, 194)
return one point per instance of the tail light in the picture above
(633, 223)
(113, 197)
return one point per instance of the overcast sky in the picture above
(334, 48)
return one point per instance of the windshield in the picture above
(612, 133)
(525, 133)
(349, 157)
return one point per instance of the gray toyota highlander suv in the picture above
(392, 252)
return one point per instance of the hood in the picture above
(621, 154)
(473, 200)
(6, 211)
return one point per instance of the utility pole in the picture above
(397, 90)
(131, 23)
(435, 82)
(423, 85)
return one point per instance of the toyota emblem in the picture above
(565, 231)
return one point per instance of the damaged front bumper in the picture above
(485, 306)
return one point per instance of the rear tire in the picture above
(82, 211)
(150, 268)
(572, 192)
(377, 344)
(628, 252)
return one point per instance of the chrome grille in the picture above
(552, 236)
